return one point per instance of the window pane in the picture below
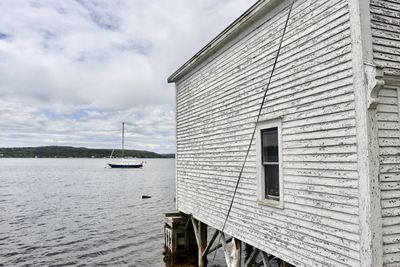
(270, 145)
(271, 181)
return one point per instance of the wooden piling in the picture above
(236, 252)
(186, 238)
(180, 242)
(202, 244)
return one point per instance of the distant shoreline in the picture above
(2, 157)
(75, 152)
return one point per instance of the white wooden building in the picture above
(321, 184)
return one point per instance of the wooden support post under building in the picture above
(200, 231)
(235, 257)
(265, 259)
(207, 250)
(203, 244)
(225, 247)
(236, 253)
(252, 257)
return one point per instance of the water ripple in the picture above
(74, 212)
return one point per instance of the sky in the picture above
(72, 71)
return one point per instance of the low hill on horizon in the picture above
(75, 152)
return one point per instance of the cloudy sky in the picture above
(71, 71)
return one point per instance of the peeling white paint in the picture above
(332, 143)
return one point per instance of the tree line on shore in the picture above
(75, 152)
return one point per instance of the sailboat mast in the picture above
(123, 135)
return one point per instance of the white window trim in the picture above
(260, 170)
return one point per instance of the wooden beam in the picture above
(252, 257)
(196, 231)
(218, 246)
(265, 259)
(227, 256)
(211, 242)
(236, 253)
(187, 223)
(203, 243)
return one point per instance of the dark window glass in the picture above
(270, 158)
(271, 181)
(270, 145)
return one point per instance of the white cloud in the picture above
(106, 61)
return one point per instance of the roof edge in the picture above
(233, 27)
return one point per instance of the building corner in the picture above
(368, 80)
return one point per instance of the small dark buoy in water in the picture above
(145, 196)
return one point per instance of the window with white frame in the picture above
(269, 161)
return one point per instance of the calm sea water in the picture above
(76, 212)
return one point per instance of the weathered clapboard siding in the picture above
(385, 16)
(389, 142)
(217, 105)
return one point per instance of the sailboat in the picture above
(124, 163)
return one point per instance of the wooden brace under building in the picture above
(179, 244)
(321, 183)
